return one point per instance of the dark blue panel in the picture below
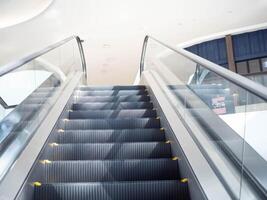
(214, 51)
(246, 46)
(264, 36)
(241, 46)
(193, 49)
(222, 51)
(251, 45)
(255, 44)
(210, 53)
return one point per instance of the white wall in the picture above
(114, 30)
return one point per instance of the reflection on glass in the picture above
(264, 64)
(229, 117)
(28, 93)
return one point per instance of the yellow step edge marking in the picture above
(176, 158)
(37, 184)
(66, 120)
(157, 118)
(162, 129)
(45, 161)
(168, 142)
(184, 180)
(60, 131)
(54, 144)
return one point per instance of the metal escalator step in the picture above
(35, 100)
(111, 147)
(45, 89)
(105, 151)
(113, 136)
(108, 106)
(109, 123)
(116, 87)
(138, 190)
(129, 98)
(111, 170)
(110, 92)
(40, 95)
(28, 107)
(98, 114)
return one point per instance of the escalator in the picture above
(173, 135)
(109, 146)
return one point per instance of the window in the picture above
(264, 64)
(254, 66)
(242, 68)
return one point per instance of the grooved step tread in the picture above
(110, 92)
(109, 123)
(108, 146)
(98, 114)
(110, 136)
(138, 190)
(115, 87)
(106, 151)
(99, 99)
(111, 170)
(109, 106)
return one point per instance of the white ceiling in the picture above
(114, 30)
(13, 12)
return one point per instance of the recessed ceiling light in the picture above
(106, 45)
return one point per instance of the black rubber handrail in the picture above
(18, 63)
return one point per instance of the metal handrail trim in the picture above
(251, 86)
(18, 63)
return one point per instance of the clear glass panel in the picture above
(260, 78)
(28, 93)
(215, 109)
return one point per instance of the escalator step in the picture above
(111, 136)
(111, 170)
(101, 151)
(40, 95)
(98, 114)
(108, 106)
(139, 190)
(129, 98)
(116, 87)
(110, 92)
(108, 145)
(35, 100)
(45, 89)
(28, 107)
(109, 123)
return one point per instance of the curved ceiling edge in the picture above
(222, 34)
(13, 12)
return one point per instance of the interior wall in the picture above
(114, 30)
